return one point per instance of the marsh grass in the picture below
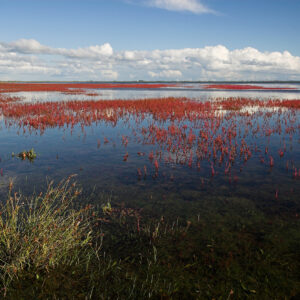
(43, 232)
(52, 249)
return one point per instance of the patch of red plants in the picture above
(75, 88)
(217, 133)
(243, 87)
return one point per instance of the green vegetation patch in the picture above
(229, 250)
(30, 155)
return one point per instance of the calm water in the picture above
(193, 91)
(233, 170)
(178, 187)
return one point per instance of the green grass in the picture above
(51, 250)
(41, 233)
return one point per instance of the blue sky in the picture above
(139, 28)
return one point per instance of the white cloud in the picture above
(193, 6)
(174, 74)
(33, 46)
(25, 46)
(109, 74)
(104, 50)
(30, 60)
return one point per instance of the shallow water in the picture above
(192, 92)
(229, 160)
(62, 151)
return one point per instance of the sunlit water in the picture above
(192, 91)
(177, 187)
(247, 208)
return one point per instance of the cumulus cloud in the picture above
(166, 74)
(25, 46)
(104, 50)
(30, 60)
(33, 46)
(110, 74)
(193, 6)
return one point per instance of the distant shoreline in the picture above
(142, 81)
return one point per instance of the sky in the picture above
(106, 40)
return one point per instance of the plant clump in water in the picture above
(30, 155)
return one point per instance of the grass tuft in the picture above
(41, 233)
(50, 250)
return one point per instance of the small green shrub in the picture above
(30, 155)
(41, 233)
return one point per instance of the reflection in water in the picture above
(192, 91)
(220, 142)
(230, 167)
